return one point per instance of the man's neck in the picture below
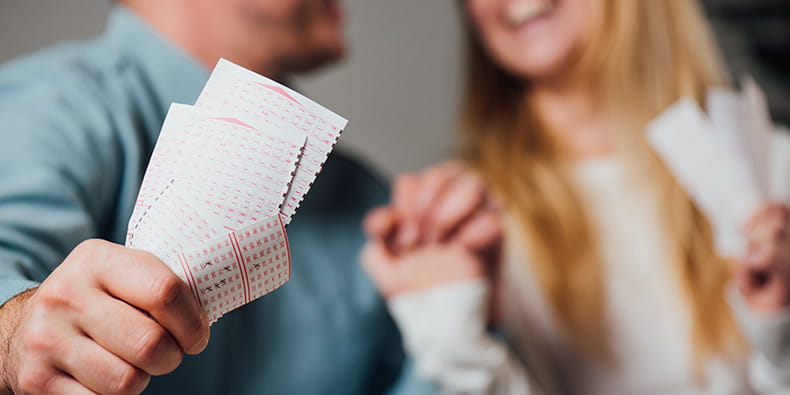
(197, 32)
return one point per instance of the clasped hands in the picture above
(442, 226)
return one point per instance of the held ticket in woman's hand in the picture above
(224, 179)
(722, 157)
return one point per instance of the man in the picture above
(79, 123)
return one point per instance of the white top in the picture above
(649, 322)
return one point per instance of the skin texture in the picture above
(57, 339)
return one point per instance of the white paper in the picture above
(213, 204)
(235, 90)
(721, 158)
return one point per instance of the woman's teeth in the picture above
(519, 12)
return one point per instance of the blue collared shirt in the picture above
(78, 124)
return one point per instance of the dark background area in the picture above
(755, 38)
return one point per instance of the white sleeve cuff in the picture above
(444, 330)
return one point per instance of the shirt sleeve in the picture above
(445, 333)
(55, 179)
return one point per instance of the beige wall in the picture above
(398, 88)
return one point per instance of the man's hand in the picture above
(763, 276)
(104, 321)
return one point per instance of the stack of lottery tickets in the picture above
(225, 178)
(721, 156)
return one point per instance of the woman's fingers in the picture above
(766, 234)
(415, 196)
(425, 267)
(764, 274)
(444, 202)
(433, 182)
(765, 291)
(481, 232)
(452, 209)
(771, 216)
(405, 190)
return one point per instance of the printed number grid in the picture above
(268, 103)
(239, 267)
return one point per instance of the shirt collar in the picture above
(175, 75)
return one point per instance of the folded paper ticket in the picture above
(721, 157)
(225, 178)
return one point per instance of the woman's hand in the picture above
(440, 228)
(421, 269)
(763, 276)
(444, 203)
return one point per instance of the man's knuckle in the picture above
(37, 337)
(128, 380)
(87, 250)
(165, 290)
(57, 295)
(33, 380)
(149, 344)
(49, 385)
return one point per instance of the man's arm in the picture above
(10, 314)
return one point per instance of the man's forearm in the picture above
(10, 315)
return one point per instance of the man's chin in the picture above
(315, 60)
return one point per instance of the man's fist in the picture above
(104, 321)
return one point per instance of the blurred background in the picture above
(400, 84)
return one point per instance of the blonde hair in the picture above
(646, 54)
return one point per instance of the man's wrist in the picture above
(10, 316)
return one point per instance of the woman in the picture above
(610, 283)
